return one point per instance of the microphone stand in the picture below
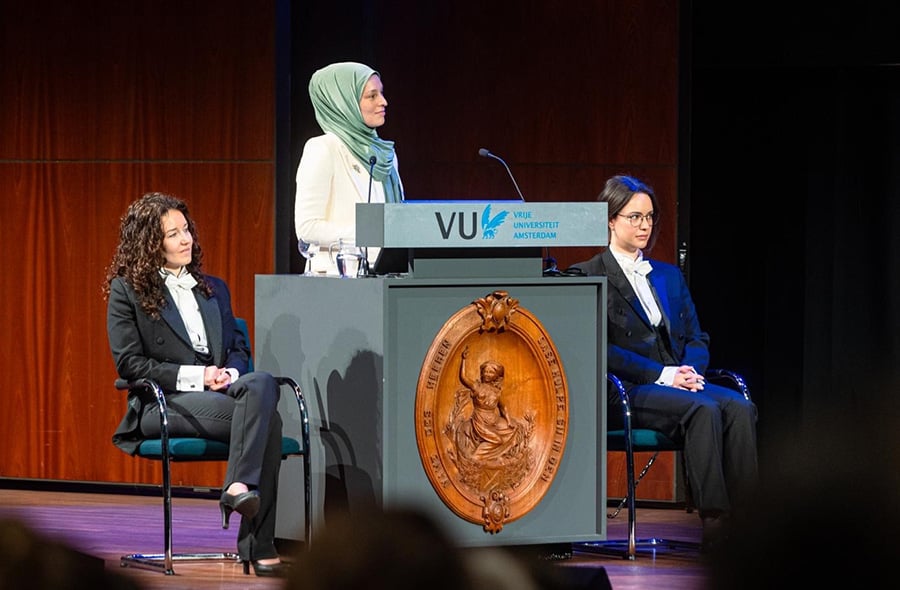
(549, 262)
(487, 154)
(364, 269)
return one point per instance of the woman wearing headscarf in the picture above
(334, 170)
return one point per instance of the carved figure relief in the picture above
(492, 411)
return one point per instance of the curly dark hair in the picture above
(139, 255)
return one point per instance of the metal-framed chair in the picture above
(168, 450)
(634, 440)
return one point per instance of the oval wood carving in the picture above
(492, 412)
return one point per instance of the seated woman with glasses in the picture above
(656, 347)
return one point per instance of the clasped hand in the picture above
(687, 378)
(215, 378)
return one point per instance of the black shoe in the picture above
(272, 570)
(246, 504)
(714, 533)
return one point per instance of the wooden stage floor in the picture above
(109, 525)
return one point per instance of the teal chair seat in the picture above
(202, 449)
(642, 439)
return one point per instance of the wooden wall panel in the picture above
(658, 483)
(143, 79)
(539, 83)
(100, 102)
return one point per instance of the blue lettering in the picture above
(534, 235)
(536, 224)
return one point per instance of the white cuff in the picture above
(190, 378)
(667, 377)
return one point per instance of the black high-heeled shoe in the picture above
(246, 504)
(271, 570)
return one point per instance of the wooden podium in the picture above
(357, 348)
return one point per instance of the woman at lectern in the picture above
(656, 347)
(348, 164)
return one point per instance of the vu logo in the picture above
(489, 225)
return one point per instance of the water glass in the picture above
(308, 250)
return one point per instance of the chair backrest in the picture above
(242, 326)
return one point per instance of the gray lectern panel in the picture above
(357, 346)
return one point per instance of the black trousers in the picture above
(718, 429)
(246, 417)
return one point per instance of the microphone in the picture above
(487, 154)
(372, 160)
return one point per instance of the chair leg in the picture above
(631, 550)
(165, 561)
(628, 548)
(304, 435)
(167, 517)
(157, 561)
(307, 496)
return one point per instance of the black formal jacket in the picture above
(633, 352)
(143, 347)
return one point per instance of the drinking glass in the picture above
(308, 250)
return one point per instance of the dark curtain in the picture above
(795, 171)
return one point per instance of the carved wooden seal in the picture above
(492, 411)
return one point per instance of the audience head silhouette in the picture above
(380, 550)
(28, 560)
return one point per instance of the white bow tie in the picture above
(642, 268)
(186, 281)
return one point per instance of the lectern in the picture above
(357, 347)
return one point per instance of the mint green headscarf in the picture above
(335, 92)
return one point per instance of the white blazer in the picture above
(330, 182)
